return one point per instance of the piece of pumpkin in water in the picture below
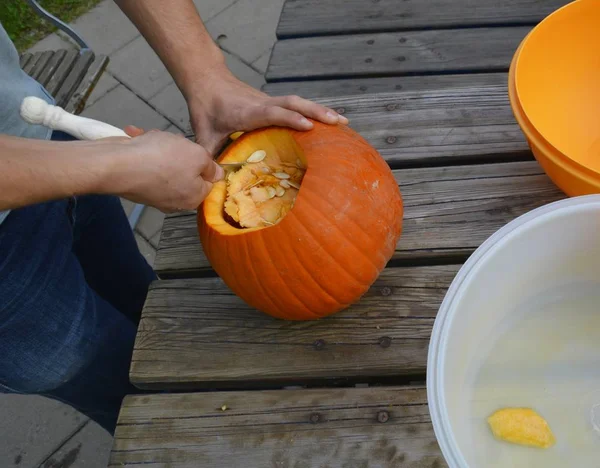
(521, 426)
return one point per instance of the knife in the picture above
(36, 111)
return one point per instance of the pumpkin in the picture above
(306, 225)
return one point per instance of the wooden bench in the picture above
(69, 76)
(429, 91)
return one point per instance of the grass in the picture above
(25, 27)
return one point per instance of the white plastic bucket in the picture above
(518, 328)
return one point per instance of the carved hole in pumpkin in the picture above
(261, 193)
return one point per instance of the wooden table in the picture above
(426, 83)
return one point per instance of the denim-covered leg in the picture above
(107, 250)
(58, 337)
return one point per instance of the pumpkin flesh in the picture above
(261, 193)
(237, 205)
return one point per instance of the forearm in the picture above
(175, 31)
(34, 171)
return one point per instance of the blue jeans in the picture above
(72, 287)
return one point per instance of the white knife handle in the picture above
(36, 111)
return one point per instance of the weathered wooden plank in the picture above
(442, 126)
(365, 86)
(26, 57)
(32, 62)
(76, 102)
(72, 80)
(414, 52)
(437, 127)
(372, 428)
(449, 211)
(62, 71)
(51, 67)
(41, 64)
(318, 17)
(197, 333)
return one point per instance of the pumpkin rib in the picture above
(327, 299)
(318, 176)
(300, 257)
(233, 282)
(356, 224)
(278, 306)
(315, 238)
(315, 206)
(245, 250)
(282, 282)
(250, 297)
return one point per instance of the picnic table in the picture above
(426, 84)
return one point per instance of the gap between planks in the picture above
(388, 54)
(376, 427)
(302, 18)
(448, 213)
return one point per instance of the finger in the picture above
(310, 109)
(264, 116)
(212, 172)
(133, 131)
(204, 191)
(199, 192)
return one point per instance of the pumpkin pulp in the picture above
(264, 189)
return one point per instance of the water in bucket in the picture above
(546, 357)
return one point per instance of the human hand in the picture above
(221, 105)
(162, 170)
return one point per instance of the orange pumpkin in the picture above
(326, 245)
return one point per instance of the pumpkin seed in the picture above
(257, 156)
(259, 194)
(271, 191)
(284, 183)
(266, 170)
(279, 191)
(293, 184)
(281, 175)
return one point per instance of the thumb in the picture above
(133, 131)
(212, 172)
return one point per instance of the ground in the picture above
(136, 89)
(25, 27)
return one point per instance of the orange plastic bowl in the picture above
(554, 90)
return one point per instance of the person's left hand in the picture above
(224, 105)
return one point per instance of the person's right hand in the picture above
(162, 170)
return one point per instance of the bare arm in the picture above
(33, 171)
(219, 103)
(174, 29)
(158, 169)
